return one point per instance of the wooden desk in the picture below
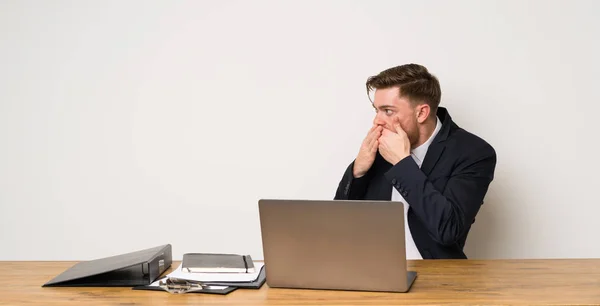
(566, 281)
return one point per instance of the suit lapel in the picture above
(439, 142)
(432, 157)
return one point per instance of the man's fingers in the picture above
(375, 146)
(397, 126)
(373, 135)
(372, 139)
(372, 129)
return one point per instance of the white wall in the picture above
(129, 124)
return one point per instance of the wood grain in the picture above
(461, 282)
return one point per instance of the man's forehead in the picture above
(388, 97)
(380, 105)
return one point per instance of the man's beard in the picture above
(413, 136)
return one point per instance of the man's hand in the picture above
(394, 146)
(368, 150)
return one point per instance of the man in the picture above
(416, 154)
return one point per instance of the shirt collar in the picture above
(420, 151)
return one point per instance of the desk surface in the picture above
(559, 281)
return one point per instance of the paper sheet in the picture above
(217, 277)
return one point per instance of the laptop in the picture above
(336, 245)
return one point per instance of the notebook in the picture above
(217, 263)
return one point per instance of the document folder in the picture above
(132, 269)
(207, 286)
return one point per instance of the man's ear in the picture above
(422, 113)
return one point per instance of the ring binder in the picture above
(130, 269)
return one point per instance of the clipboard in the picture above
(205, 287)
(256, 284)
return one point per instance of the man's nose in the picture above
(378, 121)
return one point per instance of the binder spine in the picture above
(145, 269)
(160, 263)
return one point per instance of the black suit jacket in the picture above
(444, 195)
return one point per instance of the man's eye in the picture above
(388, 112)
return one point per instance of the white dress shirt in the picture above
(418, 154)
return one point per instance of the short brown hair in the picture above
(414, 81)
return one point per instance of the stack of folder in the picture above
(211, 273)
(142, 270)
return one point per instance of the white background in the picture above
(129, 124)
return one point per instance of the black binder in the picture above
(132, 269)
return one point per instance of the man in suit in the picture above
(416, 154)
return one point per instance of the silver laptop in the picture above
(338, 245)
